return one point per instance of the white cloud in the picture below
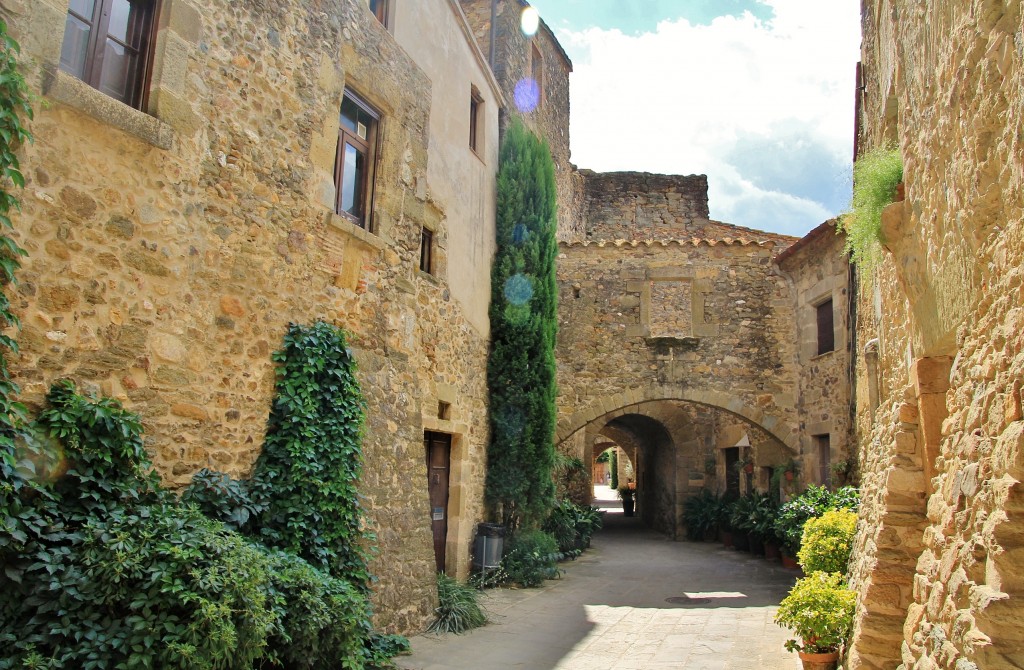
(687, 97)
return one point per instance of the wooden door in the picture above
(732, 475)
(439, 457)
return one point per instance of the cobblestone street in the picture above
(611, 610)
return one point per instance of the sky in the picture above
(756, 94)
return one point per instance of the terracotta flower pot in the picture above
(789, 475)
(771, 551)
(726, 536)
(748, 468)
(819, 661)
(789, 561)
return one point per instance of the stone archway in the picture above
(678, 446)
(629, 400)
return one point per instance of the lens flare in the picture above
(518, 290)
(529, 21)
(526, 95)
(520, 233)
(39, 457)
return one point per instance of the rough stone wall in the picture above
(646, 206)
(819, 270)
(168, 252)
(944, 448)
(737, 353)
(550, 119)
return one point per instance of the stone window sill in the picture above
(822, 355)
(343, 225)
(75, 93)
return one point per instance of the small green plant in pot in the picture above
(820, 611)
(628, 495)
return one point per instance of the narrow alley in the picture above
(635, 600)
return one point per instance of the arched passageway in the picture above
(676, 448)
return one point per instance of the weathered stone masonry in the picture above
(939, 418)
(169, 251)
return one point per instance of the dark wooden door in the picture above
(732, 475)
(439, 458)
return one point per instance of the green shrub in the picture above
(532, 557)
(459, 607)
(572, 526)
(820, 610)
(815, 501)
(220, 497)
(701, 514)
(828, 541)
(105, 569)
(875, 176)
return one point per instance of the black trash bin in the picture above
(487, 550)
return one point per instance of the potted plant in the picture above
(628, 495)
(725, 529)
(790, 469)
(701, 514)
(820, 611)
(745, 465)
(739, 519)
(841, 471)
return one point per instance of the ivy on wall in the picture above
(307, 475)
(14, 109)
(523, 316)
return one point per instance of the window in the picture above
(537, 73)
(826, 332)
(107, 45)
(353, 164)
(380, 10)
(427, 251)
(823, 447)
(476, 103)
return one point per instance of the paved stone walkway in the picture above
(609, 611)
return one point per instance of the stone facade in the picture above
(940, 329)
(517, 58)
(168, 250)
(820, 272)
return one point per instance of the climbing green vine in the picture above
(14, 109)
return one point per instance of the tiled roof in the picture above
(682, 242)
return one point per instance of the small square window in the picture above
(107, 45)
(476, 103)
(354, 161)
(427, 251)
(826, 329)
(381, 9)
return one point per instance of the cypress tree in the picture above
(523, 315)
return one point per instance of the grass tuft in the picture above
(459, 608)
(875, 176)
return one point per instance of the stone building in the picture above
(271, 163)
(940, 332)
(228, 168)
(693, 344)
